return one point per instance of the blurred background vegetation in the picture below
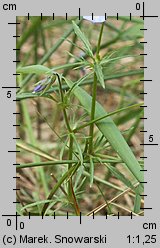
(41, 122)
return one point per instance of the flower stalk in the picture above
(71, 194)
(94, 93)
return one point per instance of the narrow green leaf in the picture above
(18, 210)
(99, 74)
(78, 178)
(84, 39)
(33, 69)
(78, 149)
(33, 149)
(91, 171)
(49, 83)
(58, 184)
(35, 23)
(48, 54)
(134, 31)
(106, 60)
(115, 172)
(110, 131)
(26, 95)
(137, 202)
(36, 204)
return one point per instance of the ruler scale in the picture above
(92, 230)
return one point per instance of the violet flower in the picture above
(41, 85)
(39, 88)
(95, 19)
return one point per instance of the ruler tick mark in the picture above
(143, 10)
(80, 218)
(16, 221)
(14, 23)
(10, 215)
(145, 80)
(11, 87)
(149, 16)
(118, 215)
(79, 14)
(106, 215)
(148, 144)
(14, 151)
(117, 16)
(145, 208)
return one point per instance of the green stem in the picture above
(69, 166)
(94, 93)
(99, 41)
(71, 194)
(60, 162)
(63, 107)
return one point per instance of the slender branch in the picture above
(105, 116)
(99, 41)
(94, 94)
(71, 194)
(63, 107)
